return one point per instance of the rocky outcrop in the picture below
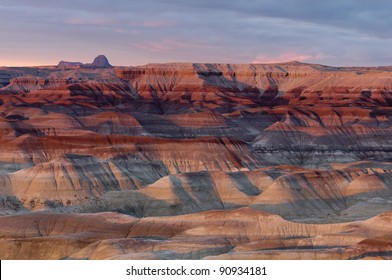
(67, 64)
(100, 61)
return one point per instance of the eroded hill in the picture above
(192, 155)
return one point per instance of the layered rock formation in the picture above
(100, 61)
(221, 161)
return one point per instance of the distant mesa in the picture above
(100, 61)
(67, 64)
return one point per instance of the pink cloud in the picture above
(286, 57)
(92, 22)
(153, 24)
(170, 45)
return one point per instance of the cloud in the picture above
(366, 16)
(171, 45)
(335, 32)
(286, 57)
(89, 21)
(153, 24)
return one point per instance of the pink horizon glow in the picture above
(285, 57)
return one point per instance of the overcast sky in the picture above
(135, 32)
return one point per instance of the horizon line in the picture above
(192, 62)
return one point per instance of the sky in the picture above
(137, 32)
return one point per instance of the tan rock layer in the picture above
(242, 233)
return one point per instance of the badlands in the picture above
(195, 161)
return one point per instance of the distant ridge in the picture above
(67, 64)
(100, 61)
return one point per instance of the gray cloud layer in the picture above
(336, 32)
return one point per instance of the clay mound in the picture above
(301, 195)
(327, 195)
(186, 193)
(96, 86)
(267, 81)
(242, 233)
(63, 170)
(303, 145)
(68, 180)
(112, 123)
(48, 124)
(7, 131)
(207, 153)
(197, 120)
